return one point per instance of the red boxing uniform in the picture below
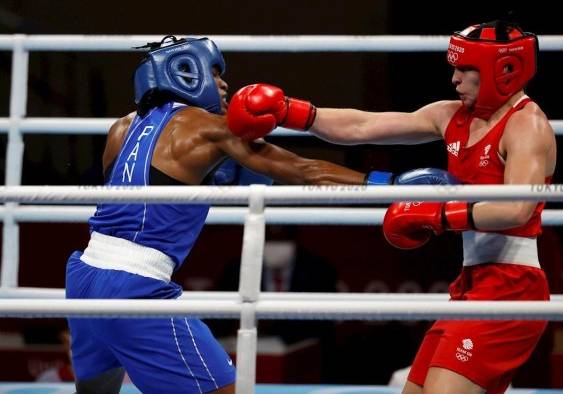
(497, 266)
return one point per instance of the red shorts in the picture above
(487, 352)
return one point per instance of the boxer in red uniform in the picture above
(494, 134)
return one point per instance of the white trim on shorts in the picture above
(107, 252)
(199, 353)
(480, 247)
(182, 356)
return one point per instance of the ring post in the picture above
(18, 103)
(249, 289)
(10, 251)
(246, 350)
(14, 160)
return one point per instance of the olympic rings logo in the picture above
(452, 56)
(461, 357)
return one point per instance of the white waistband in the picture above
(107, 252)
(479, 247)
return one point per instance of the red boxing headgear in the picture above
(504, 55)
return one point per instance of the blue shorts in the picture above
(171, 355)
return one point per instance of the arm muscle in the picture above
(528, 143)
(280, 164)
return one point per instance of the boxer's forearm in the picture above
(320, 172)
(350, 126)
(495, 216)
(341, 126)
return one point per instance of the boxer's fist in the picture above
(426, 176)
(410, 224)
(419, 176)
(251, 112)
(256, 110)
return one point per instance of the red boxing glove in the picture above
(410, 224)
(256, 110)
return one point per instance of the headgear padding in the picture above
(184, 69)
(505, 57)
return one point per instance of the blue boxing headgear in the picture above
(183, 69)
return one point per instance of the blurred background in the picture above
(325, 258)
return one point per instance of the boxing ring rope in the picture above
(249, 303)
(277, 195)
(287, 309)
(235, 215)
(75, 126)
(252, 43)
(233, 296)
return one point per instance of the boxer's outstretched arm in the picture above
(350, 126)
(256, 109)
(287, 167)
(279, 164)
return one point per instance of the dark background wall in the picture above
(98, 84)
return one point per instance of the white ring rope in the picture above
(277, 195)
(235, 215)
(255, 43)
(288, 309)
(217, 215)
(46, 293)
(79, 126)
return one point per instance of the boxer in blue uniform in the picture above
(178, 136)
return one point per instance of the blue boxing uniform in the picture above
(132, 253)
